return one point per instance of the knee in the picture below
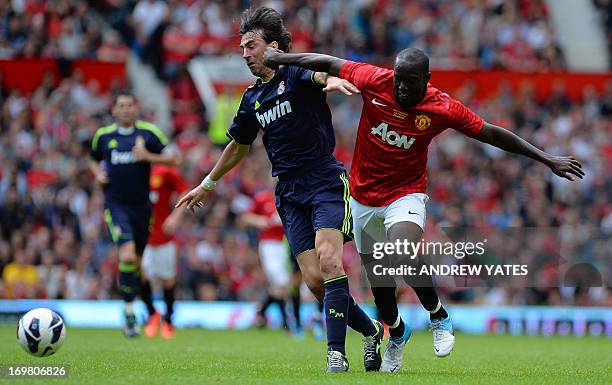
(330, 260)
(127, 253)
(168, 284)
(406, 232)
(279, 291)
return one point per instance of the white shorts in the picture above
(159, 261)
(370, 224)
(274, 260)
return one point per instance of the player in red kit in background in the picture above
(275, 256)
(402, 112)
(273, 252)
(160, 256)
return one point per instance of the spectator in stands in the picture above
(150, 18)
(148, 15)
(605, 10)
(51, 275)
(20, 276)
(112, 49)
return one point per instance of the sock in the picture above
(169, 300)
(296, 302)
(428, 298)
(281, 305)
(128, 281)
(147, 297)
(264, 306)
(336, 304)
(128, 308)
(424, 288)
(359, 321)
(130, 317)
(320, 306)
(396, 330)
(386, 303)
(438, 312)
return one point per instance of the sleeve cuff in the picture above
(235, 140)
(346, 69)
(312, 78)
(478, 128)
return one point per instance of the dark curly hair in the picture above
(123, 92)
(270, 22)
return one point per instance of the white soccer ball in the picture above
(41, 332)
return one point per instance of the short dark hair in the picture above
(270, 22)
(127, 93)
(414, 56)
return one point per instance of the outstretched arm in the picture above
(312, 61)
(232, 155)
(565, 166)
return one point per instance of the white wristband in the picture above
(208, 183)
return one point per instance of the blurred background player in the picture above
(160, 256)
(272, 253)
(295, 285)
(275, 256)
(122, 154)
(402, 112)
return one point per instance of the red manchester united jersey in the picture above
(390, 159)
(165, 181)
(264, 203)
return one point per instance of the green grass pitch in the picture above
(272, 357)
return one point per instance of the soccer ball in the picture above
(41, 332)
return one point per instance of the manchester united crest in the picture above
(281, 87)
(422, 122)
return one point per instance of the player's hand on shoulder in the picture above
(140, 150)
(341, 85)
(566, 166)
(269, 55)
(195, 198)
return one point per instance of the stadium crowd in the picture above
(510, 34)
(605, 13)
(515, 35)
(54, 243)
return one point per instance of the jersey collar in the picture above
(125, 130)
(260, 80)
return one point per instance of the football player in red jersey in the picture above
(159, 258)
(272, 251)
(402, 113)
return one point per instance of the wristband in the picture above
(208, 183)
